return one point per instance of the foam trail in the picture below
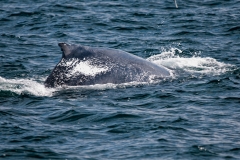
(194, 64)
(20, 86)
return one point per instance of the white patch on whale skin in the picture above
(86, 68)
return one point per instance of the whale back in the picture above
(83, 65)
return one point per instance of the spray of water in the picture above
(28, 86)
(193, 65)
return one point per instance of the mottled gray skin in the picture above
(122, 67)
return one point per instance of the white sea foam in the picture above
(194, 64)
(21, 86)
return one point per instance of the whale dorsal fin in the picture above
(66, 49)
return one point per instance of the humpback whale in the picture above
(83, 65)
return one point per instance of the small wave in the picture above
(24, 13)
(174, 60)
(67, 116)
(25, 86)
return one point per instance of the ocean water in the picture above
(194, 114)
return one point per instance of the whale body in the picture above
(83, 65)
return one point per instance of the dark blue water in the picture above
(195, 114)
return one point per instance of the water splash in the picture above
(173, 60)
(28, 86)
